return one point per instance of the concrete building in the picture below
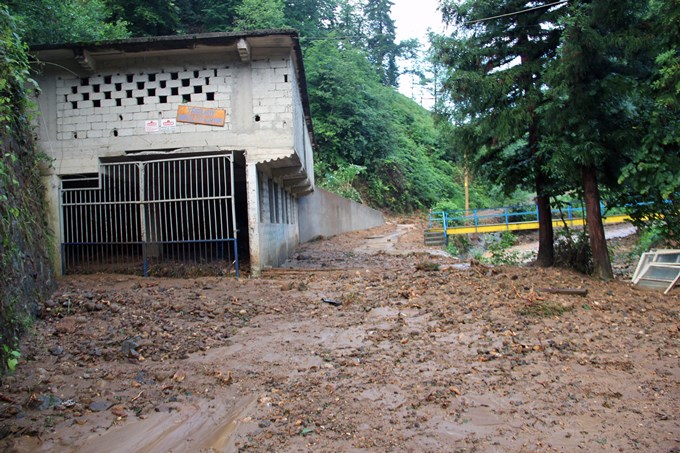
(179, 155)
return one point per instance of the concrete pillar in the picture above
(252, 188)
(51, 184)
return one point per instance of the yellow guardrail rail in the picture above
(521, 226)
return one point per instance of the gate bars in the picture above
(170, 217)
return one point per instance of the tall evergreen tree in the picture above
(591, 114)
(313, 18)
(651, 179)
(495, 62)
(380, 39)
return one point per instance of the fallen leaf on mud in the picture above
(119, 411)
(226, 380)
(65, 326)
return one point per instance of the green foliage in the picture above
(25, 275)
(650, 180)
(147, 17)
(340, 181)
(558, 96)
(499, 247)
(494, 76)
(311, 17)
(209, 16)
(650, 237)
(14, 78)
(12, 357)
(572, 251)
(459, 245)
(64, 21)
(349, 106)
(494, 81)
(260, 15)
(380, 39)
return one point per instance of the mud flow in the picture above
(363, 342)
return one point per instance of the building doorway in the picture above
(149, 216)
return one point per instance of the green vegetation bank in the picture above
(25, 276)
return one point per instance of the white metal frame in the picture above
(167, 212)
(655, 260)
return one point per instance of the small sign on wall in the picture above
(200, 115)
(162, 125)
(151, 126)
(168, 125)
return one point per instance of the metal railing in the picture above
(170, 217)
(508, 218)
(498, 216)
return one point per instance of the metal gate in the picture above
(170, 217)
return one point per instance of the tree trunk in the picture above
(546, 249)
(546, 246)
(467, 191)
(602, 267)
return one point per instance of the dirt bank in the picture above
(363, 342)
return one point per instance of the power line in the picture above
(516, 12)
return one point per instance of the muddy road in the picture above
(363, 342)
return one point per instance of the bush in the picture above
(572, 251)
(500, 251)
(341, 181)
(459, 245)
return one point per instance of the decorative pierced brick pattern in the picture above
(116, 105)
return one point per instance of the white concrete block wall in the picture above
(104, 115)
(272, 93)
(118, 104)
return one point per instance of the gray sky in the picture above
(412, 19)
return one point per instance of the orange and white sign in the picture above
(200, 115)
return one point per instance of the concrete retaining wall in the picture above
(325, 214)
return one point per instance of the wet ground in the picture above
(362, 342)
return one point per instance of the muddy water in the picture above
(205, 425)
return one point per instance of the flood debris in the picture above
(463, 359)
(333, 302)
(583, 292)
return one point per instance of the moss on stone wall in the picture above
(25, 276)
